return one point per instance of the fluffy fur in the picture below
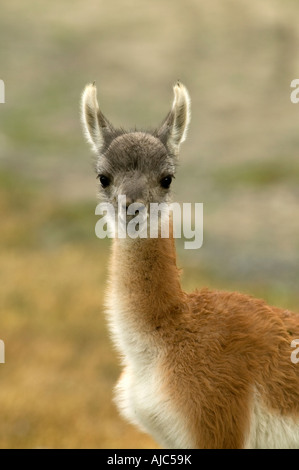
(209, 369)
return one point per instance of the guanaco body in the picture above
(208, 369)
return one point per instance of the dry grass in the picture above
(60, 369)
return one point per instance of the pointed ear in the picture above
(95, 126)
(173, 130)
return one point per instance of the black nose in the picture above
(139, 206)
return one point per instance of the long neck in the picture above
(145, 292)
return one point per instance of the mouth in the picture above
(133, 219)
(138, 212)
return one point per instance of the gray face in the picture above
(137, 165)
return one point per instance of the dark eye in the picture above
(166, 182)
(104, 180)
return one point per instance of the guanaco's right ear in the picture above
(95, 126)
(173, 130)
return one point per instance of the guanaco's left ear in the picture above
(96, 127)
(173, 130)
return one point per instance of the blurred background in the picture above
(237, 58)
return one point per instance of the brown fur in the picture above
(216, 346)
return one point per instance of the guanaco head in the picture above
(139, 165)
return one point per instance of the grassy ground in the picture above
(237, 59)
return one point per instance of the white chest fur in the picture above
(138, 393)
(140, 400)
